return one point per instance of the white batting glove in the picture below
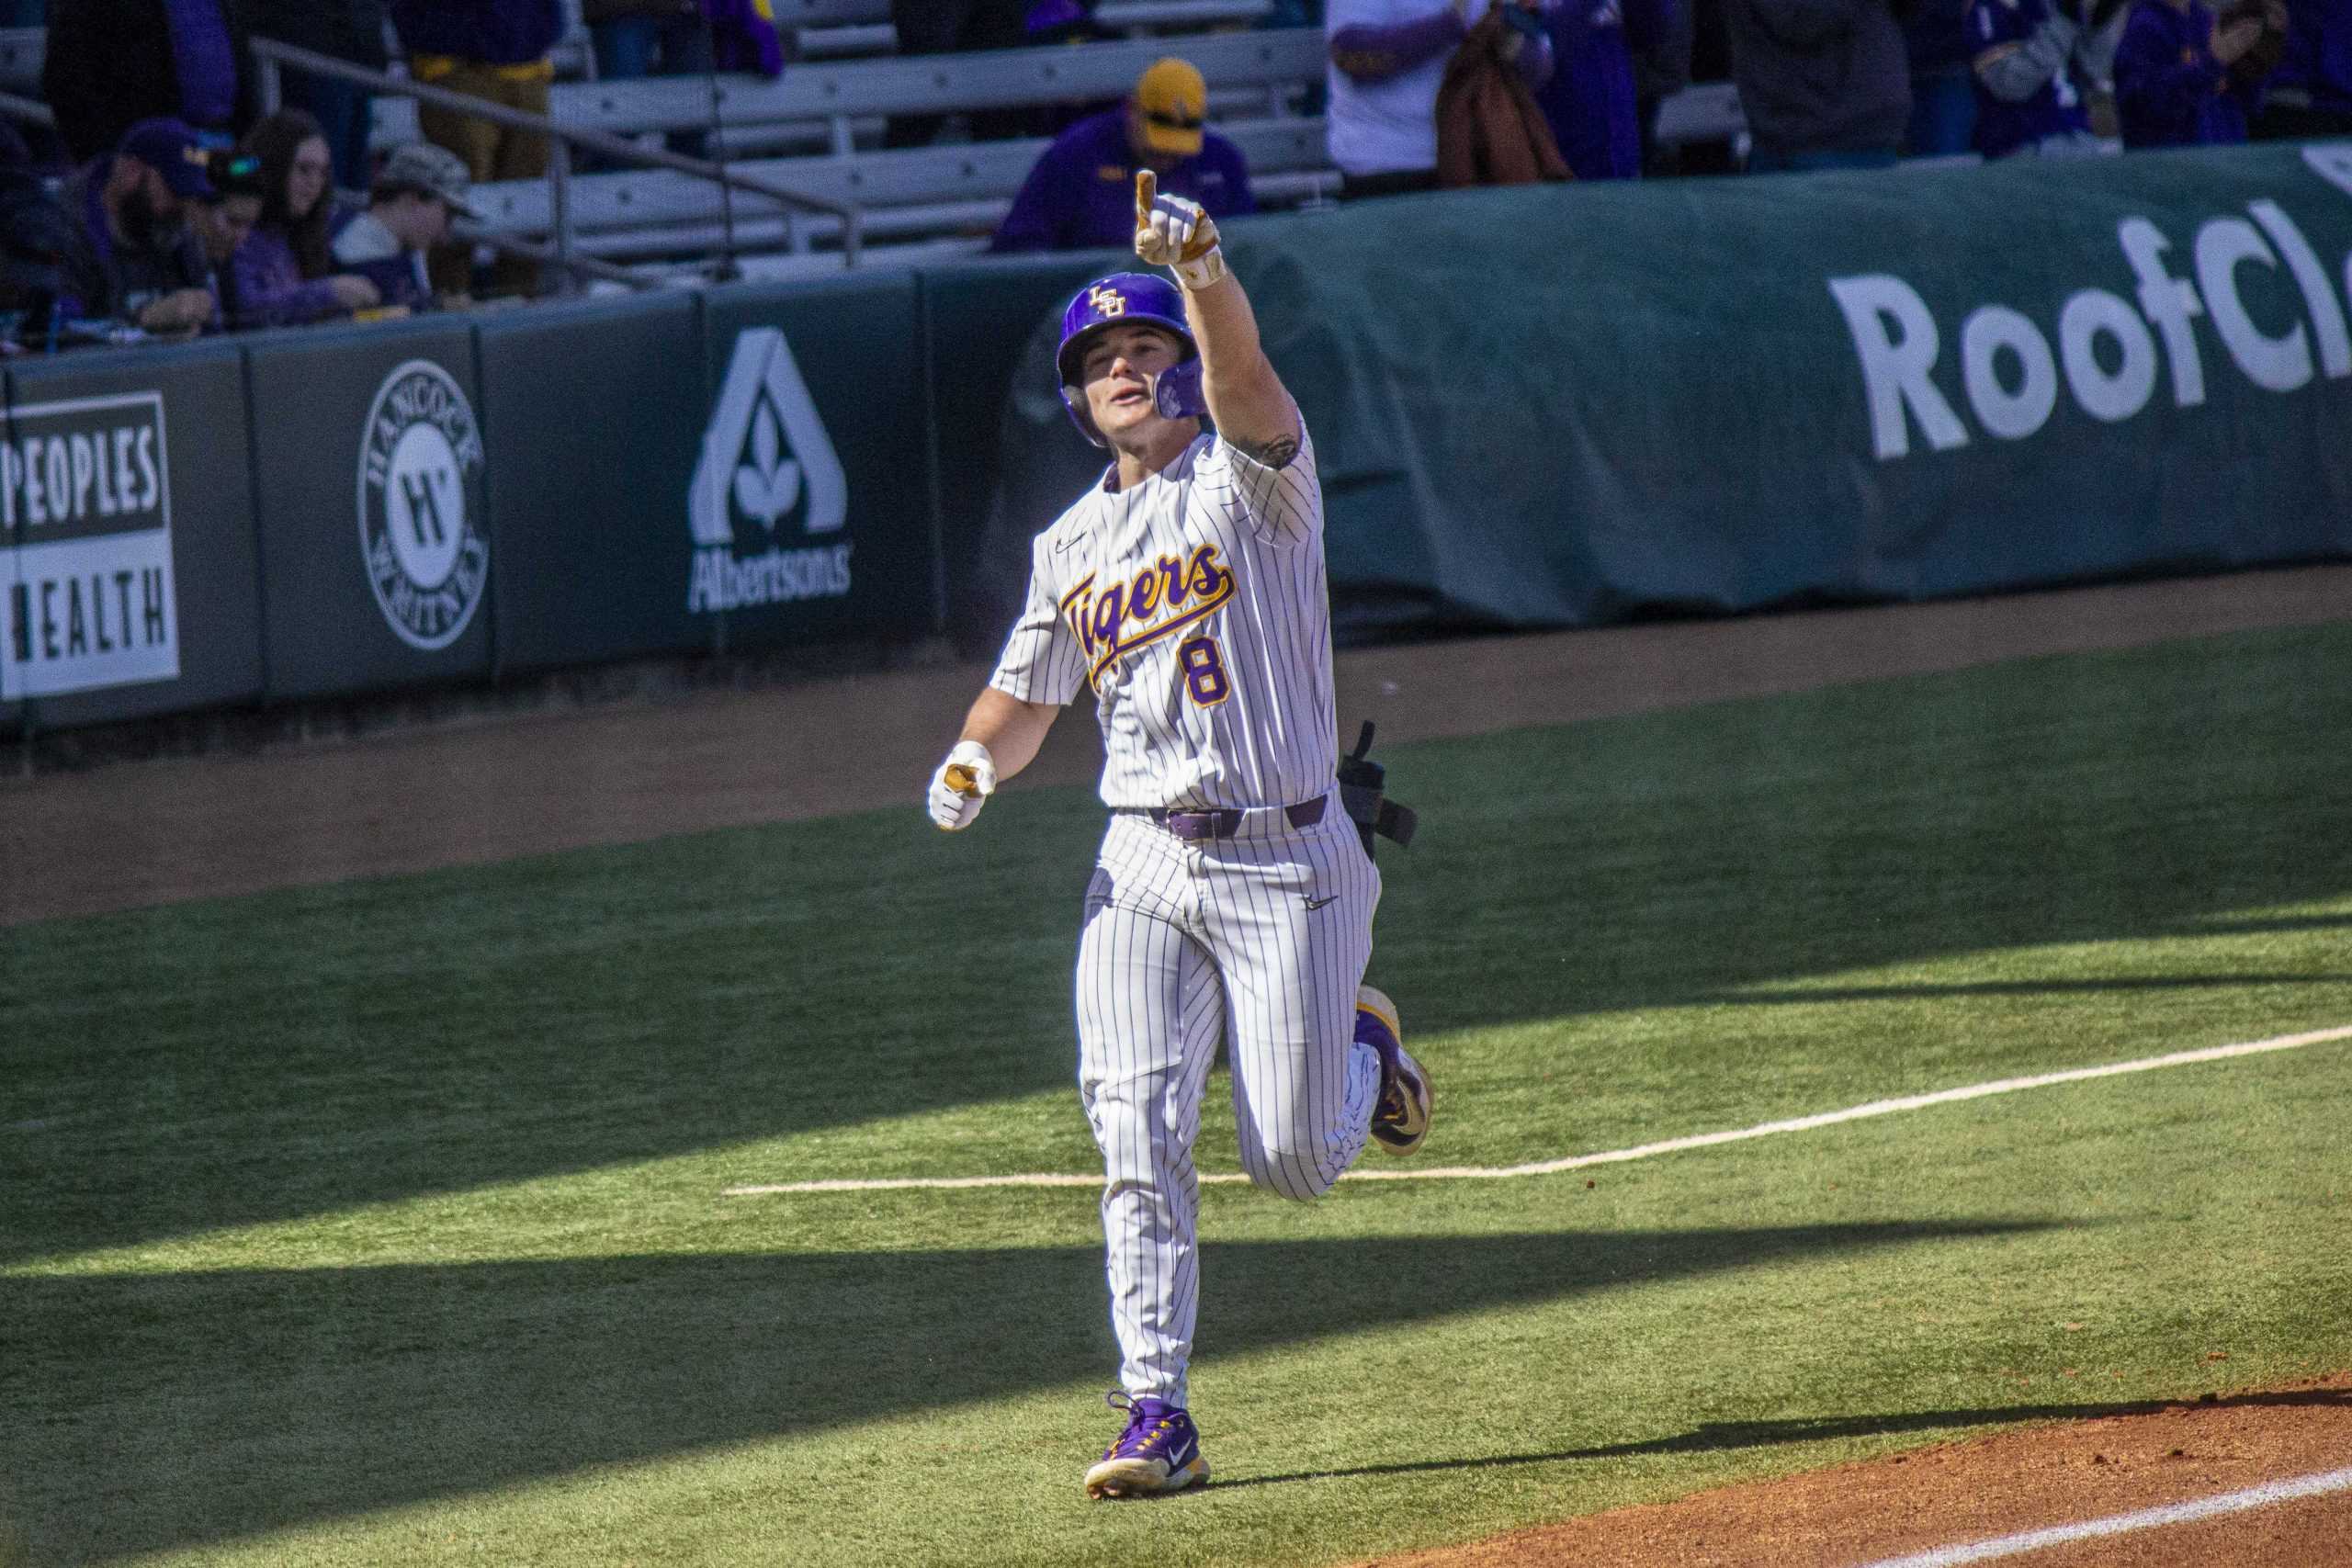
(956, 800)
(1176, 232)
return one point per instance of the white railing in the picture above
(274, 57)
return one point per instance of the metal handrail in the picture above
(32, 111)
(274, 55)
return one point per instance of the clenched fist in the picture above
(1177, 233)
(962, 786)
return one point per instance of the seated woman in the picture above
(284, 274)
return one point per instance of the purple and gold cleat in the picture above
(1160, 1452)
(1401, 1118)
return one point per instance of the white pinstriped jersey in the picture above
(1195, 604)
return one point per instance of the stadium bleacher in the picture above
(815, 130)
(1270, 68)
(913, 193)
(917, 193)
(921, 203)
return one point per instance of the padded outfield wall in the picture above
(1561, 407)
(1540, 408)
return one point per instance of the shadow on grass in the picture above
(2050, 988)
(1721, 1436)
(149, 1411)
(2255, 926)
(210, 1065)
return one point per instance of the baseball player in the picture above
(1232, 896)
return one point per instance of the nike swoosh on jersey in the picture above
(1318, 903)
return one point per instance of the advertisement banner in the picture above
(126, 573)
(372, 472)
(598, 410)
(1562, 405)
(807, 513)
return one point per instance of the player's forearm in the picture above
(1011, 729)
(1252, 407)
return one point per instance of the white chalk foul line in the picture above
(1611, 1157)
(2263, 1497)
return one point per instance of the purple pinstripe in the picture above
(1185, 945)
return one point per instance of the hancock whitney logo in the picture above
(420, 537)
(767, 481)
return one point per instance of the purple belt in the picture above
(1194, 827)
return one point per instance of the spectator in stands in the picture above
(2032, 80)
(1051, 22)
(2174, 84)
(110, 63)
(744, 35)
(950, 27)
(226, 222)
(1590, 102)
(347, 30)
(1388, 59)
(1943, 88)
(1662, 69)
(498, 49)
(38, 238)
(137, 257)
(1490, 130)
(1081, 194)
(685, 37)
(418, 187)
(1063, 21)
(1711, 61)
(647, 37)
(1825, 84)
(285, 273)
(2310, 95)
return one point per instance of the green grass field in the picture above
(383, 1223)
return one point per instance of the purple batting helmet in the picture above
(1115, 300)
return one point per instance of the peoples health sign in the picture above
(87, 598)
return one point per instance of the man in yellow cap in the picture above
(1081, 194)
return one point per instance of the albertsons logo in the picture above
(768, 482)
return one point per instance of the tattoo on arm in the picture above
(1275, 454)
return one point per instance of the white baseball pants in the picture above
(1259, 939)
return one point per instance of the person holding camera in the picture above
(2185, 79)
(2033, 79)
(1387, 60)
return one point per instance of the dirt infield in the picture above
(1992, 1487)
(142, 834)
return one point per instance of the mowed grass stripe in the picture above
(374, 1224)
(1373, 1172)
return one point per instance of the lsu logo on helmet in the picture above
(1106, 302)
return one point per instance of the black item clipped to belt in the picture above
(1360, 795)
